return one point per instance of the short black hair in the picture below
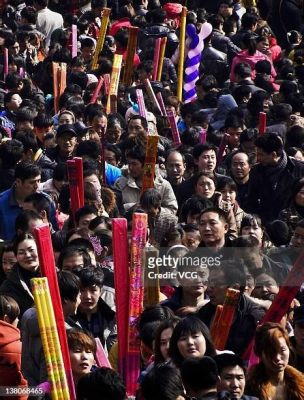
(70, 251)
(88, 148)
(142, 119)
(23, 219)
(69, 285)
(11, 153)
(218, 211)
(85, 210)
(248, 20)
(138, 152)
(40, 202)
(29, 141)
(270, 142)
(150, 198)
(201, 148)
(226, 360)
(199, 373)
(26, 170)
(90, 276)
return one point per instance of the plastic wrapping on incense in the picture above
(21, 72)
(174, 129)
(97, 90)
(262, 123)
(101, 36)
(203, 137)
(101, 357)
(152, 287)
(59, 82)
(163, 45)
(280, 305)
(50, 340)
(222, 148)
(116, 68)
(75, 176)
(181, 55)
(161, 103)
(106, 86)
(138, 241)
(141, 103)
(48, 270)
(152, 96)
(156, 59)
(214, 325)
(131, 50)
(121, 277)
(74, 41)
(150, 162)
(5, 62)
(226, 319)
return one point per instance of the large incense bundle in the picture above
(131, 50)
(101, 37)
(114, 80)
(174, 129)
(161, 58)
(97, 90)
(75, 176)
(156, 58)
(150, 162)
(141, 103)
(59, 82)
(262, 123)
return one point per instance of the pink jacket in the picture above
(244, 57)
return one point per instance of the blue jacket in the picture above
(9, 210)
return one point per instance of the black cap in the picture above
(66, 128)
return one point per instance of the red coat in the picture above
(10, 358)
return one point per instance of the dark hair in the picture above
(144, 122)
(29, 141)
(191, 137)
(70, 251)
(243, 70)
(43, 121)
(197, 176)
(90, 276)
(21, 238)
(295, 137)
(23, 219)
(218, 211)
(226, 181)
(11, 153)
(154, 313)
(250, 219)
(25, 114)
(85, 210)
(192, 206)
(101, 380)
(40, 203)
(199, 373)
(69, 285)
(137, 153)
(248, 20)
(186, 326)
(150, 198)
(166, 324)
(201, 148)
(12, 82)
(270, 142)
(26, 170)
(9, 307)
(234, 273)
(60, 172)
(88, 148)
(30, 14)
(226, 360)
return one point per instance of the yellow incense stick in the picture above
(181, 54)
(114, 79)
(101, 37)
(161, 58)
(131, 49)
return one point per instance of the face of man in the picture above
(135, 168)
(73, 262)
(212, 229)
(217, 287)
(266, 159)
(87, 53)
(110, 157)
(66, 143)
(234, 137)
(28, 186)
(297, 239)
(240, 167)
(135, 128)
(206, 161)
(175, 167)
(233, 381)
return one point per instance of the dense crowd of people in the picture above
(229, 194)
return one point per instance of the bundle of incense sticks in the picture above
(222, 148)
(75, 176)
(59, 82)
(5, 62)
(101, 356)
(214, 325)
(131, 50)
(74, 41)
(101, 37)
(48, 270)
(50, 339)
(156, 58)
(136, 296)
(150, 162)
(181, 55)
(203, 136)
(152, 288)
(174, 129)
(262, 123)
(152, 96)
(121, 277)
(161, 58)
(103, 160)
(161, 103)
(97, 90)
(113, 103)
(141, 103)
(226, 318)
(282, 301)
(107, 79)
(114, 79)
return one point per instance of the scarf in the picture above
(273, 172)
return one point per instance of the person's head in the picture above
(102, 380)
(213, 226)
(224, 276)
(39, 203)
(296, 153)
(135, 160)
(231, 369)
(40, 4)
(72, 258)
(11, 153)
(112, 154)
(295, 137)
(84, 215)
(91, 282)
(9, 310)
(200, 376)
(242, 71)
(87, 49)
(279, 232)
(144, 70)
(150, 202)
(266, 287)
(28, 15)
(249, 21)
(137, 127)
(247, 143)
(205, 157)
(175, 166)
(234, 127)
(82, 348)
(204, 185)
(115, 128)
(162, 340)
(273, 347)
(98, 121)
(225, 8)
(66, 117)
(26, 253)
(251, 225)
(297, 193)
(26, 221)
(227, 187)
(69, 288)
(191, 209)
(190, 339)
(27, 178)
(297, 239)
(66, 139)
(12, 101)
(8, 258)
(192, 236)
(259, 101)
(240, 166)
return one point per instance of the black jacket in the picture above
(223, 43)
(246, 319)
(266, 201)
(47, 167)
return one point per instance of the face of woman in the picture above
(205, 187)
(263, 46)
(27, 255)
(278, 362)
(192, 345)
(8, 261)
(253, 230)
(113, 133)
(299, 199)
(228, 195)
(66, 118)
(165, 341)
